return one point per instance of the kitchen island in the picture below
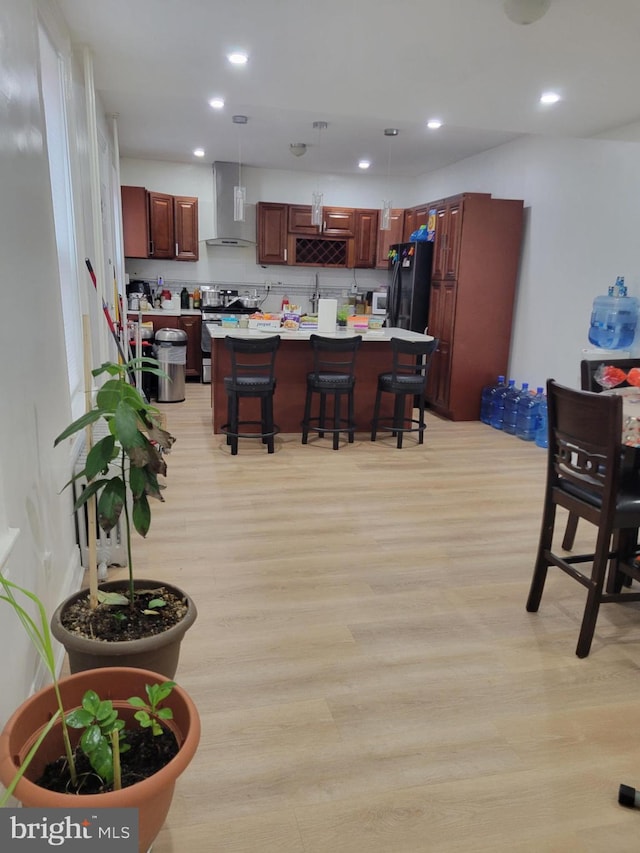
(293, 362)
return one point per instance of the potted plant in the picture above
(139, 623)
(92, 713)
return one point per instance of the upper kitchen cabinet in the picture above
(271, 237)
(477, 255)
(414, 217)
(285, 235)
(159, 226)
(365, 238)
(389, 238)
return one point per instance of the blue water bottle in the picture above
(497, 409)
(486, 401)
(542, 438)
(528, 415)
(614, 318)
(511, 401)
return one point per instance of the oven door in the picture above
(205, 345)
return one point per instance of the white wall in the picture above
(34, 394)
(582, 199)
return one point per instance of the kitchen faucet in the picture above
(315, 296)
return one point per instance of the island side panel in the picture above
(293, 362)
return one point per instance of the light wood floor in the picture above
(367, 676)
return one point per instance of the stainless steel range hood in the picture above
(227, 232)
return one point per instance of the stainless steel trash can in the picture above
(171, 351)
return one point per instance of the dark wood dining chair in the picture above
(585, 475)
(588, 370)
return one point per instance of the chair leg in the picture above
(542, 562)
(352, 417)
(306, 416)
(398, 418)
(376, 415)
(570, 532)
(421, 425)
(337, 398)
(268, 422)
(322, 413)
(624, 546)
(233, 423)
(594, 596)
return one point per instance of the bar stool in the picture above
(408, 377)
(332, 374)
(252, 375)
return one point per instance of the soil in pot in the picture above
(113, 623)
(148, 754)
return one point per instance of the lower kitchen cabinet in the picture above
(472, 313)
(192, 325)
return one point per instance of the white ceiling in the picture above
(361, 66)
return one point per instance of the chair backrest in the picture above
(334, 355)
(411, 358)
(589, 368)
(584, 441)
(252, 357)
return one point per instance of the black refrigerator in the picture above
(409, 285)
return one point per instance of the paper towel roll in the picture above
(327, 313)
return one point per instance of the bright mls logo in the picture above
(35, 830)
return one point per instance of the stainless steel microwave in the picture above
(379, 302)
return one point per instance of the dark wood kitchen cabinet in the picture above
(388, 238)
(477, 255)
(159, 226)
(365, 227)
(192, 325)
(336, 221)
(414, 217)
(299, 220)
(271, 237)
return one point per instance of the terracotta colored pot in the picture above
(159, 653)
(152, 797)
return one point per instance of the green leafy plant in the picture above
(103, 740)
(40, 636)
(151, 714)
(134, 445)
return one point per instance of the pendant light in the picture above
(387, 204)
(239, 191)
(316, 197)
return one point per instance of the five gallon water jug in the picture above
(497, 409)
(614, 318)
(527, 418)
(511, 400)
(486, 401)
(542, 439)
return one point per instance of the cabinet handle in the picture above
(151, 247)
(285, 255)
(177, 250)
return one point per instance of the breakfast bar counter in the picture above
(294, 361)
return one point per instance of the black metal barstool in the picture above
(408, 377)
(333, 374)
(252, 375)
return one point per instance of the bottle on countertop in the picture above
(184, 299)
(191, 300)
(196, 297)
(527, 416)
(284, 307)
(511, 402)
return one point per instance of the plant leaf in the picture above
(91, 739)
(137, 481)
(79, 719)
(90, 490)
(141, 515)
(111, 597)
(91, 702)
(157, 602)
(99, 457)
(81, 423)
(110, 503)
(101, 759)
(136, 702)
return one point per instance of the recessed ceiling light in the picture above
(549, 98)
(216, 103)
(434, 124)
(238, 58)
(198, 152)
(364, 164)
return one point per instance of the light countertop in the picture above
(374, 335)
(162, 312)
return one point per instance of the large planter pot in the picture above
(158, 653)
(152, 797)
